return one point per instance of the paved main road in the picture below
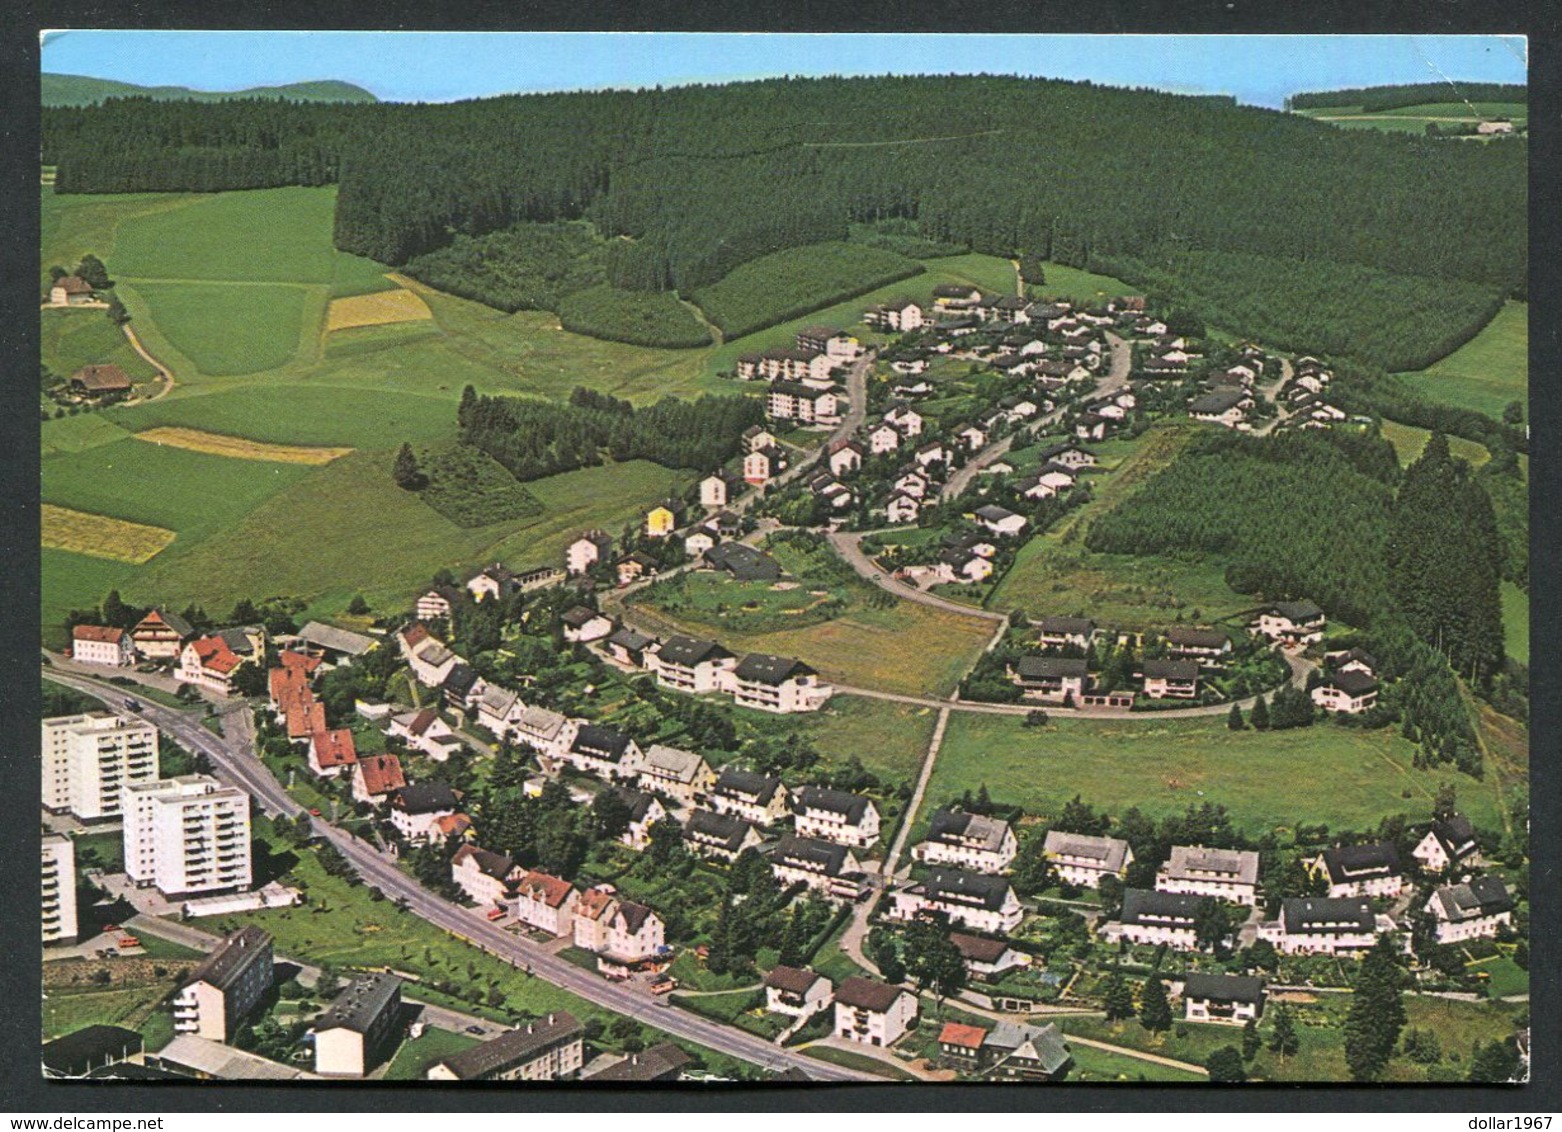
(243, 769)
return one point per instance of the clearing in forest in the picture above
(376, 309)
(238, 448)
(100, 536)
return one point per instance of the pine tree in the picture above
(1234, 719)
(1154, 1008)
(1117, 997)
(1259, 716)
(406, 473)
(1377, 1012)
(1283, 1038)
(794, 940)
(1495, 1063)
(1251, 1043)
(1225, 1066)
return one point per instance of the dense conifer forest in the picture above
(1244, 210)
(1375, 99)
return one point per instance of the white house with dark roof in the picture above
(1325, 925)
(1450, 843)
(645, 810)
(220, 993)
(603, 751)
(974, 900)
(1226, 874)
(719, 836)
(779, 684)
(690, 664)
(543, 1049)
(829, 869)
(1171, 679)
(1052, 678)
(1348, 691)
(1066, 632)
(753, 797)
(357, 1026)
(1477, 909)
(417, 806)
(1082, 860)
(546, 730)
(1226, 407)
(588, 550)
(681, 775)
(902, 508)
(616, 930)
(1361, 870)
(797, 993)
(871, 1012)
(486, 877)
(1207, 646)
(1230, 999)
(968, 841)
(835, 815)
(583, 625)
(1156, 919)
(1292, 622)
(499, 710)
(987, 958)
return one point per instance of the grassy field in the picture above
(67, 1011)
(72, 226)
(1487, 372)
(99, 536)
(1515, 621)
(1081, 286)
(889, 738)
(375, 309)
(71, 339)
(1268, 780)
(74, 581)
(1101, 1065)
(302, 414)
(237, 448)
(1408, 442)
(227, 329)
(909, 648)
(417, 1056)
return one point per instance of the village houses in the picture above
(1227, 874)
(835, 815)
(871, 1012)
(968, 841)
(1082, 859)
(755, 798)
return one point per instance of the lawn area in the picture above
(890, 739)
(1487, 372)
(415, 1057)
(225, 329)
(1328, 774)
(104, 851)
(1515, 622)
(69, 340)
(65, 1011)
(909, 648)
(1082, 286)
(1097, 1065)
(78, 433)
(859, 1061)
(1408, 442)
(307, 414)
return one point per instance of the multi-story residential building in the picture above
(332, 752)
(780, 684)
(690, 664)
(1081, 859)
(603, 751)
(1056, 679)
(1157, 919)
(756, 798)
(835, 815)
(498, 710)
(722, 836)
(1477, 909)
(89, 759)
(1324, 925)
(545, 730)
(974, 900)
(356, 1028)
(1067, 632)
(799, 993)
(1232, 999)
(219, 994)
(1450, 843)
(376, 778)
(617, 931)
(59, 889)
(546, 902)
(187, 835)
(1347, 690)
(1227, 874)
(102, 644)
(586, 551)
(211, 662)
(417, 806)
(485, 876)
(1292, 623)
(681, 775)
(871, 1012)
(829, 869)
(544, 1049)
(968, 841)
(1361, 870)
(645, 810)
(160, 634)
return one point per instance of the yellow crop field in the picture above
(375, 310)
(99, 536)
(238, 448)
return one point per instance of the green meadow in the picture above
(71, 339)
(1487, 372)
(226, 329)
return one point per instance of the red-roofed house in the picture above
(332, 752)
(446, 826)
(375, 776)
(616, 930)
(101, 644)
(300, 662)
(305, 715)
(546, 902)
(208, 662)
(961, 1045)
(285, 685)
(70, 290)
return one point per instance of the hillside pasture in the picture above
(1487, 372)
(74, 581)
(376, 308)
(79, 433)
(69, 340)
(100, 536)
(1409, 441)
(73, 225)
(238, 448)
(227, 329)
(303, 414)
(1346, 778)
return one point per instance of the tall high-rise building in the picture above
(186, 835)
(59, 889)
(89, 759)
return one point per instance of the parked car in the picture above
(664, 986)
(125, 941)
(496, 913)
(476, 1030)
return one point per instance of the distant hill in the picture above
(1377, 99)
(82, 90)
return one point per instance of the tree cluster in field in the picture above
(535, 438)
(903, 236)
(790, 283)
(703, 179)
(524, 267)
(640, 318)
(1382, 317)
(464, 484)
(1376, 99)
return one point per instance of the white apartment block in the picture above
(186, 835)
(89, 759)
(59, 889)
(1226, 874)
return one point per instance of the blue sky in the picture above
(442, 66)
